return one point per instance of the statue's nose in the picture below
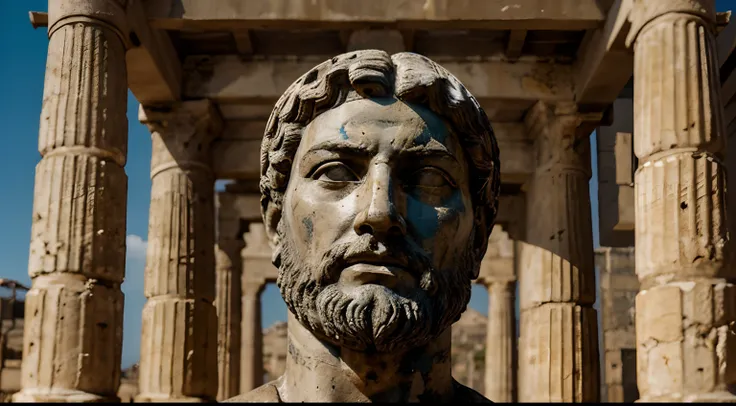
(380, 216)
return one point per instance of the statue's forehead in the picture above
(360, 119)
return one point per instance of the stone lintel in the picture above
(604, 64)
(229, 78)
(391, 41)
(520, 14)
(154, 69)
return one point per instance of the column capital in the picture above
(555, 130)
(253, 286)
(256, 242)
(645, 11)
(228, 251)
(495, 282)
(182, 133)
(183, 118)
(104, 12)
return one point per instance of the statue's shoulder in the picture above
(463, 394)
(266, 393)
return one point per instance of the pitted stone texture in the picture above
(686, 345)
(80, 193)
(84, 88)
(79, 217)
(179, 341)
(681, 229)
(75, 333)
(74, 311)
(556, 270)
(182, 134)
(557, 254)
(670, 66)
(684, 316)
(179, 338)
(558, 354)
(180, 256)
(111, 12)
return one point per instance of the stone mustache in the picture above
(380, 182)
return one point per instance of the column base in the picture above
(161, 398)
(60, 396)
(711, 397)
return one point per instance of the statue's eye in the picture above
(335, 172)
(430, 177)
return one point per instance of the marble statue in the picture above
(380, 183)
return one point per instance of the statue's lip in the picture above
(373, 268)
(377, 260)
(363, 273)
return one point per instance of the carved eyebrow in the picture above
(431, 150)
(341, 147)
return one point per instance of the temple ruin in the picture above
(653, 77)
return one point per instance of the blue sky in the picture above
(21, 77)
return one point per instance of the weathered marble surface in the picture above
(380, 183)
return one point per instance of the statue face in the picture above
(377, 226)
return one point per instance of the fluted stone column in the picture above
(74, 311)
(228, 303)
(686, 345)
(501, 342)
(251, 369)
(558, 344)
(179, 337)
(257, 270)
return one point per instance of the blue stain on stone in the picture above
(435, 126)
(455, 202)
(424, 137)
(309, 226)
(343, 133)
(423, 217)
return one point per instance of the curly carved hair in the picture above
(409, 77)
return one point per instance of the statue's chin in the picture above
(372, 317)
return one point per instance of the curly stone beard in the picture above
(371, 316)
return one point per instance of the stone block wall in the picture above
(618, 288)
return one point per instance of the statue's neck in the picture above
(317, 371)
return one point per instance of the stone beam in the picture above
(238, 151)
(411, 14)
(154, 70)
(230, 79)
(605, 64)
(244, 206)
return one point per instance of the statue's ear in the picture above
(480, 241)
(271, 219)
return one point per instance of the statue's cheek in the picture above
(422, 218)
(430, 221)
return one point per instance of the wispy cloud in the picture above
(136, 247)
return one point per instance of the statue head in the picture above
(380, 182)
